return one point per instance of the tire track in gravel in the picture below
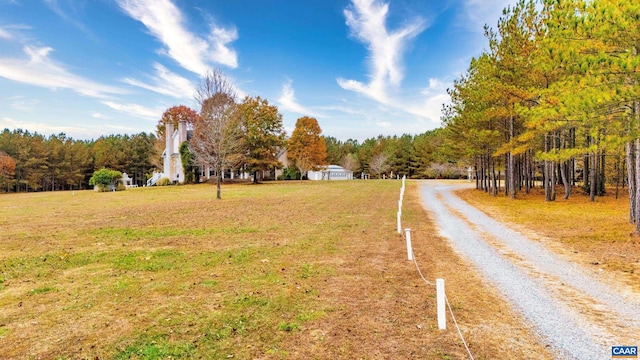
(579, 316)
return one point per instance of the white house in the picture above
(172, 163)
(171, 154)
(331, 172)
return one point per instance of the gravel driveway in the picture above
(572, 309)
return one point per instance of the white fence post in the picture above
(399, 222)
(442, 320)
(409, 249)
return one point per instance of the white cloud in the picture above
(72, 19)
(343, 109)
(412, 114)
(219, 38)
(97, 115)
(165, 21)
(136, 110)
(49, 129)
(120, 128)
(21, 104)
(12, 32)
(166, 82)
(40, 70)
(367, 21)
(429, 106)
(287, 101)
(4, 34)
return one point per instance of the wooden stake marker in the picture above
(442, 319)
(409, 249)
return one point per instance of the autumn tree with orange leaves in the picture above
(307, 149)
(174, 115)
(7, 169)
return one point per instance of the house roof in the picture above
(334, 168)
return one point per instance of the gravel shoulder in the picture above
(578, 314)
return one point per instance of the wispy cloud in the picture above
(54, 5)
(4, 34)
(287, 101)
(120, 128)
(21, 104)
(12, 32)
(416, 112)
(165, 82)
(39, 70)
(367, 21)
(165, 21)
(97, 115)
(350, 110)
(135, 110)
(75, 131)
(429, 105)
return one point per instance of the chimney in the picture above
(168, 135)
(182, 131)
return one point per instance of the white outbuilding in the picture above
(331, 172)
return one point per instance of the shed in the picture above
(331, 172)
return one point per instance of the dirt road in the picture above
(579, 313)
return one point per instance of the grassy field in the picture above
(596, 234)
(297, 270)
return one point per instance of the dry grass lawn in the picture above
(297, 270)
(597, 234)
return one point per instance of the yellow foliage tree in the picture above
(307, 149)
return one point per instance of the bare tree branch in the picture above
(350, 162)
(214, 82)
(378, 164)
(218, 139)
(304, 164)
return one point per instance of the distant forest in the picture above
(33, 162)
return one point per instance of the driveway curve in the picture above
(578, 314)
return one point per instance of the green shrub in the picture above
(188, 158)
(163, 182)
(290, 173)
(106, 179)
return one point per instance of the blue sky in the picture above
(363, 68)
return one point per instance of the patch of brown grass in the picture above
(279, 270)
(595, 234)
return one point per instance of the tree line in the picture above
(422, 156)
(32, 162)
